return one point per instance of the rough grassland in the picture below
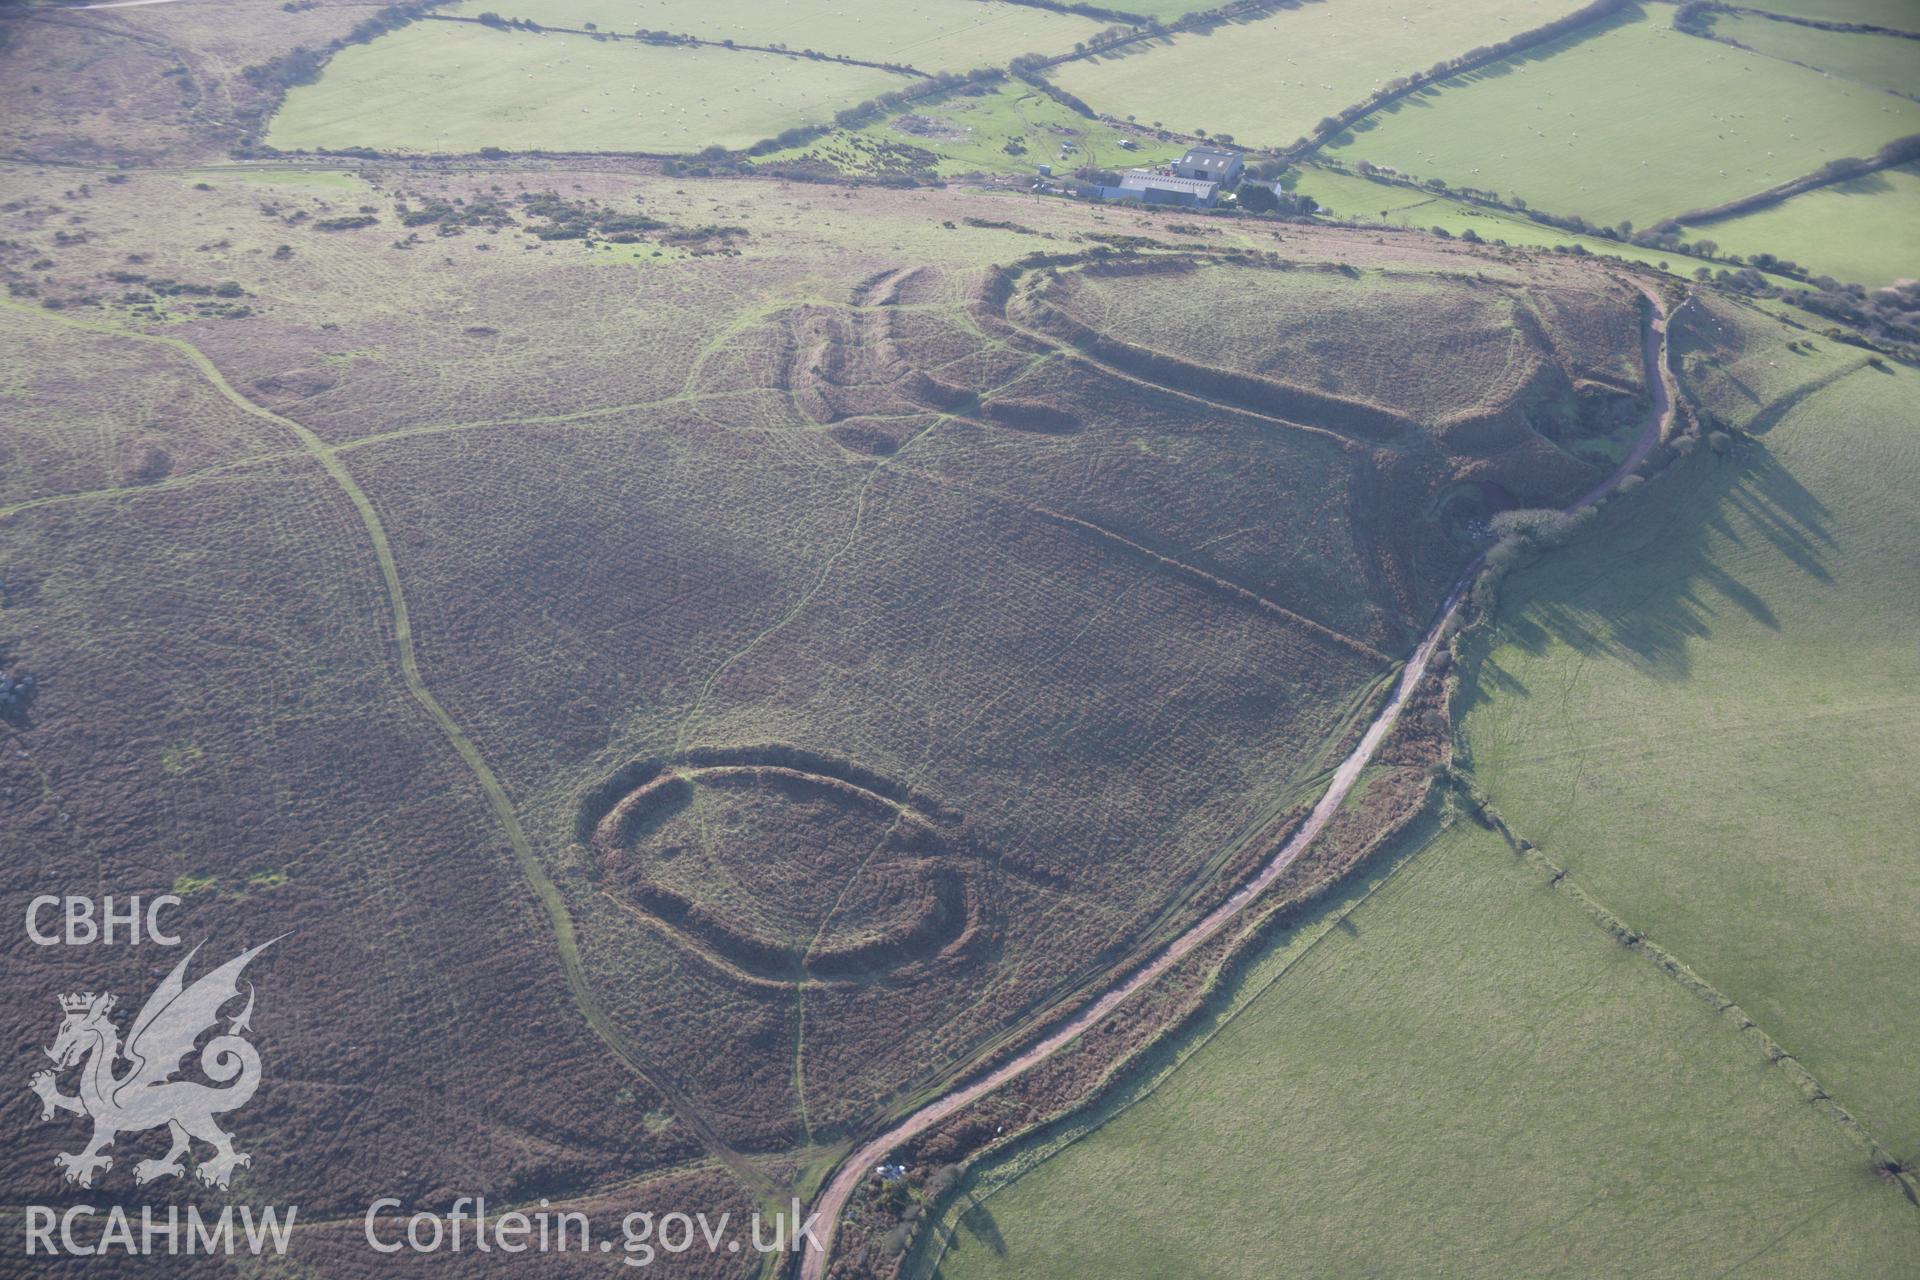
(971, 132)
(1865, 230)
(1339, 335)
(86, 416)
(933, 35)
(152, 84)
(220, 717)
(457, 87)
(1880, 62)
(735, 577)
(843, 507)
(1497, 371)
(1708, 716)
(1461, 1076)
(1270, 81)
(804, 489)
(1558, 127)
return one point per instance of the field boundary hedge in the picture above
(1818, 24)
(1668, 963)
(302, 65)
(663, 39)
(1334, 125)
(1470, 647)
(1093, 11)
(1131, 1073)
(1898, 152)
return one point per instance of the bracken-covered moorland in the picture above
(705, 614)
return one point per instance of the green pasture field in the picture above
(1559, 127)
(1706, 710)
(1162, 10)
(1463, 1074)
(1880, 62)
(1865, 230)
(1270, 80)
(1158, 10)
(933, 35)
(1350, 197)
(971, 132)
(1897, 14)
(458, 87)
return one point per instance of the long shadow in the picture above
(1772, 412)
(980, 1223)
(1134, 48)
(1870, 184)
(1649, 578)
(1243, 981)
(1427, 94)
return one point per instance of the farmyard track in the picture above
(833, 1198)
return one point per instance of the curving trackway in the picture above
(833, 1199)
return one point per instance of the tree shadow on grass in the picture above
(1651, 577)
(1426, 94)
(1205, 28)
(1324, 915)
(1867, 184)
(979, 1223)
(974, 1227)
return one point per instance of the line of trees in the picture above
(646, 35)
(1898, 152)
(1695, 17)
(1095, 12)
(1043, 85)
(1332, 126)
(301, 65)
(873, 108)
(1666, 237)
(1131, 27)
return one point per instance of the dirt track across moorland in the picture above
(833, 1198)
(572, 968)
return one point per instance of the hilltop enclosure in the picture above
(745, 619)
(905, 601)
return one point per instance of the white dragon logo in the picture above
(146, 1096)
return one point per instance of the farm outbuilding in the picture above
(1155, 187)
(1211, 164)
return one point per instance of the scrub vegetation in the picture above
(713, 603)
